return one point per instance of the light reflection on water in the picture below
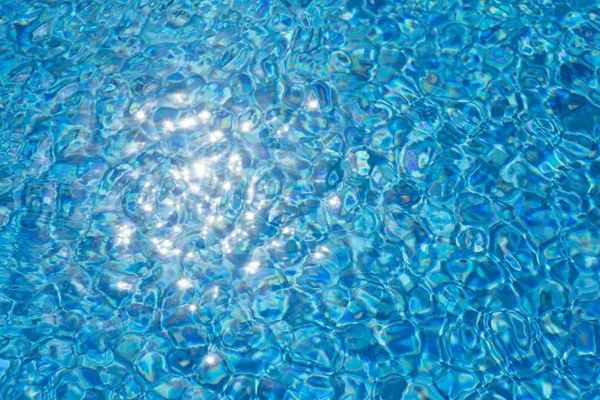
(199, 184)
(299, 199)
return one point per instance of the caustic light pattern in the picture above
(298, 199)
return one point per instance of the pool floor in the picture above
(299, 199)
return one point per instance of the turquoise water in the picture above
(357, 199)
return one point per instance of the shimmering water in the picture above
(327, 199)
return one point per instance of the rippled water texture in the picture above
(328, 199)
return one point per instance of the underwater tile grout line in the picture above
(299, 199)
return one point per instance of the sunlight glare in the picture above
(184, 284)
(187, 123)
(252, 267)
(204, 115)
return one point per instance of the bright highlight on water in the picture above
(299, 199)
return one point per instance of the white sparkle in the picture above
(186, 173)
(252, 267)
(204, 115)
(334, 201)
(215, 136)
(215, 292)
(124, 235)
(180, 98)
(200, 169)
(187, 123)
(169, 125)
(124, 285)
(140, 116)
(147, 207)
(313, 104)
(193, 307)
(176, 174)
(227, 186)
(245, 127)
(210, 359)
(184, 283)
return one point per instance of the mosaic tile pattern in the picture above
(296, 199)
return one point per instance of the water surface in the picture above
(299, 199)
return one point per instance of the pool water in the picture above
(296, 199)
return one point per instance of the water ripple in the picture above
(321, 199)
